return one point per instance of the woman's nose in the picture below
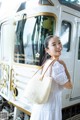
(59, 46)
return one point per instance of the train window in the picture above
(79, 50)
(30, 35)
(22, 6)
(42, 2)
(65, 35)
(75, 4)
(47, 2)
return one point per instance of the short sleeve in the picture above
(58, 73)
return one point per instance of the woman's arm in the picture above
(68, 84)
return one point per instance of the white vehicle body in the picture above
(15, 74)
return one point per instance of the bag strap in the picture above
(46, 66)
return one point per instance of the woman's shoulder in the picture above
(61, 62)
(55, 63)
(59, 65)
(58, 62)
(57, 68)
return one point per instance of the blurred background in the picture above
(8, 7)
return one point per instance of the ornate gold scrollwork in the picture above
(4, 75)
(12, 84)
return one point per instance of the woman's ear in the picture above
(47, 50)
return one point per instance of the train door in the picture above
(67, 36)
(70, 36)
(76, 85)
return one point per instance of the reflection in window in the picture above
(30, 35)
(65, 35)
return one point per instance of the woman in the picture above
(51, 110)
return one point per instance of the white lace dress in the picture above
(52, 109)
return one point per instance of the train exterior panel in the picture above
(21, 47)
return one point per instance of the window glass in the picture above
(75, 4)
(30, 35)
(22, 6)
(65, 35)
(43, 2)
(47, 2)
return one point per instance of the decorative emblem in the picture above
(37, 55)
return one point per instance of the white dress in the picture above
(51, 110)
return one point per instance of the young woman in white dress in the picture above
(51, 110)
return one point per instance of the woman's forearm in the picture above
(67, 85)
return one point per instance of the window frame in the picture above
(69, 37)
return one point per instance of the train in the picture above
(21, 51)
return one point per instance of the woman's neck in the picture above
(55, 58)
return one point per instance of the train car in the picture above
(21, 50)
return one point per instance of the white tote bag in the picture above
(38, 88)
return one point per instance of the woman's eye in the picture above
(59, 43)
(53, 44)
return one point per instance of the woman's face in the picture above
(54, 47)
